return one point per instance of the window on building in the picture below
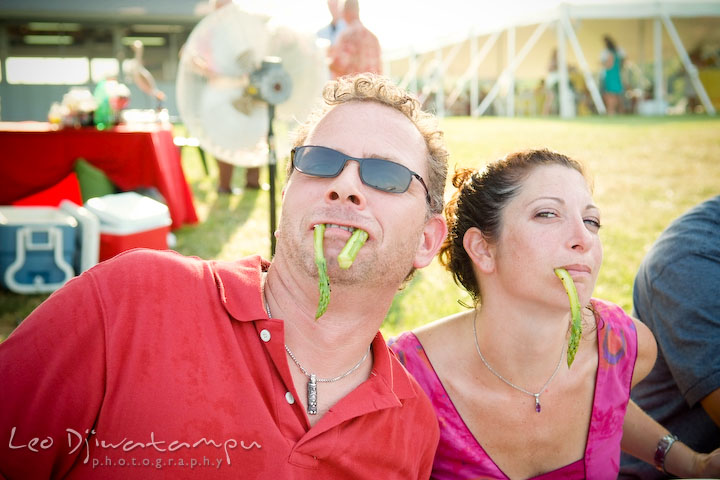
(47, 71)
(102, 68)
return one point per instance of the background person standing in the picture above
(612, 59)
(331, 31)
(357, 49)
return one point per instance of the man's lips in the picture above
(338, 230)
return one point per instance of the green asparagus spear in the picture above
(576, 328)
(323, 280)
(351, 248)
(345, 259)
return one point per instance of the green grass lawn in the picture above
(647, 171)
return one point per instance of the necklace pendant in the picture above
(312, 395)
(537, 402)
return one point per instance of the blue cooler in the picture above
(37, 248)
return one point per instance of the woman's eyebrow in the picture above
(589, 206)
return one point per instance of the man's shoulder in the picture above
(687, 248)
(142, 271)
(137, 254)
(148, 261)
(150, 265)
(696, 225)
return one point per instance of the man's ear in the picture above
(479, 250)
(431, 240)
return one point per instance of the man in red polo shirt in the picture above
(153, 364)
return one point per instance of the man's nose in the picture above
(347, 186)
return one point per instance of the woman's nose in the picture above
(580, 238)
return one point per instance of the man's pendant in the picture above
(312, 395)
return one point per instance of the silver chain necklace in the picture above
(312, 378)
(536, 395)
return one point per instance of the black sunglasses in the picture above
(380, 174)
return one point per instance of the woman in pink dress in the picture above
(508, 404)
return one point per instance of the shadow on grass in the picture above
(226, 214)
(14, 308)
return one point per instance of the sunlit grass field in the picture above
(647, 171)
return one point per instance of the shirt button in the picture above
(265, 335)
(289, 397)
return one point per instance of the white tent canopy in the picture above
(577, 26)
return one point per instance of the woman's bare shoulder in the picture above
(443, 331)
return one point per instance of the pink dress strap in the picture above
(617, 352)
(461, 456)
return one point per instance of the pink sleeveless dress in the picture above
(461, 456)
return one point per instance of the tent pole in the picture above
(409, 81)
(564, 107)
(474, 87)
(438, 77)
(492, 94)
(510, 99)
(659, 90)
(432, 86)
(587, 74)
(689, 67)
(471, 72)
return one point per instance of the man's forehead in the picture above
(364, 129)
(369, 118)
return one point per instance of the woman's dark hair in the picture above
(609, 43)
(479, 201)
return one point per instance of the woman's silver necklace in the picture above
(312, 378)
(536, 395)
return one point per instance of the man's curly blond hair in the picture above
(368, 87)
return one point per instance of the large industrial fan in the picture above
(239, 71)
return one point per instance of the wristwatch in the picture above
(663, 447)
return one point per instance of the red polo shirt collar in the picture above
(389, 382)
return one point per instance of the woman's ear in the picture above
(479, 250)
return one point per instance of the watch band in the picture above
(663, 447)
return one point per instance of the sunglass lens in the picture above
(384, 175)
(321, 162)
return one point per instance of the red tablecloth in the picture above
(34, 156)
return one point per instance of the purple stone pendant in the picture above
(537, 403)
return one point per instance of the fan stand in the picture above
(272, 168)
